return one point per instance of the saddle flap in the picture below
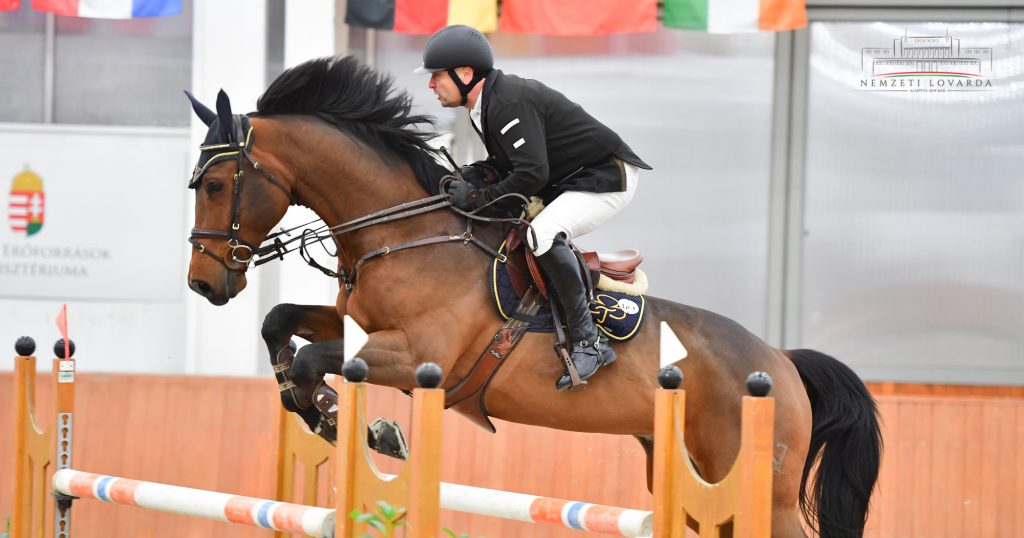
(522, 266)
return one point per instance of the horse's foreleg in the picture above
(387, 355)
(314, 323)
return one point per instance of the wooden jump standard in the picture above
(743, 498)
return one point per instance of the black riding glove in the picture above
(473, 174)
(465, 196)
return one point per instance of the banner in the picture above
(93, 213)
(736, 16)
(109, 9)
(421, 16)
(579, 17)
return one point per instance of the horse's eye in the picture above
(214, 187)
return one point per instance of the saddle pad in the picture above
(618, 315)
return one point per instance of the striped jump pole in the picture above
(286, 517)
(546, 510)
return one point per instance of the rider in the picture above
(542, 144)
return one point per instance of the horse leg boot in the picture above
(590, 349)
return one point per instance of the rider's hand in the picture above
(473, 174)
(464, 195)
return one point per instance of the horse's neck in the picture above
(343, 180)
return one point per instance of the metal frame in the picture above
(789, 136)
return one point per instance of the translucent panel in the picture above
(22, 54)
(125, 72)
(695, 106)
(914, 249)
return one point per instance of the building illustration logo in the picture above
(926, 64)
(26, 209)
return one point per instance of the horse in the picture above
(337, 137)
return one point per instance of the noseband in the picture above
(239, 151)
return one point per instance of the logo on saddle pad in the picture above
(606, 307)
(26, 208)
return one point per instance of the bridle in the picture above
(272, 247)
(239, 151)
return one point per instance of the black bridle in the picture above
(272, 247)
(240, 151)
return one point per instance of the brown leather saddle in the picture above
(524, 271)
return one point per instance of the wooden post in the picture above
(416, 488)
(31, 453)
(743, 498)
(35, 461)
(295, 446)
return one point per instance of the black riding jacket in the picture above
(544, 144)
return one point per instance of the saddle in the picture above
(620, 266)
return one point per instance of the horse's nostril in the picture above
(200, 287)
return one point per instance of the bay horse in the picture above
(335, 136)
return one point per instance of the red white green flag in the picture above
(736, 16)
(579, 17)
(26, 209)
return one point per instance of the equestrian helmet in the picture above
(455, 46)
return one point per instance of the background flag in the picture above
(733, 16)
(9, 5)
(480, 14)
(62, 326)
(109, 9)
(421, 16)
(579, 17)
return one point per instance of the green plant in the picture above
(389, 518)
(7, 533)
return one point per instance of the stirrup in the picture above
(570, 368)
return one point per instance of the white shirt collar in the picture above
(476, 112)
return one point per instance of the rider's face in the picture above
(445, 89)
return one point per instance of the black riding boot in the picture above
(590, 349)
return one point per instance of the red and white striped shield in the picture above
(26, 209)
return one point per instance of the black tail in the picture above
(845, 423)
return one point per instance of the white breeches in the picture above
(576, 213)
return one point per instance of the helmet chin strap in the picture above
(464, 89)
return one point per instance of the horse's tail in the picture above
(846, 432)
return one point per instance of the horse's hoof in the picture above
(385, 437)
(327, 431)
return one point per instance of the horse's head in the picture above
(236, 203)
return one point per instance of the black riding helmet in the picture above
(455, 46)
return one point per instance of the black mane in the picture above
(361, 102)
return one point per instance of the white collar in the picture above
(476, 112)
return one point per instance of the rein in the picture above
(253, 255)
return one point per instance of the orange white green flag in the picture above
(736, 16)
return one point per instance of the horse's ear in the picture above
(227, 124)
(204, 113)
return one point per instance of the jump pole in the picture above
(285, 517)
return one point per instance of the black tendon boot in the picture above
(590, 350)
